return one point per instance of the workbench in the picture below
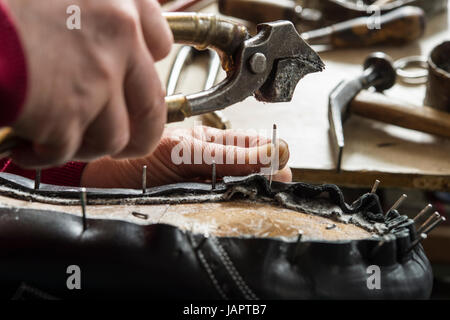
(398, 157)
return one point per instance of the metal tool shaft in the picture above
(208, 31)
(397, 26)
(185, 56)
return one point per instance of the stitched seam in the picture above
(246, 291)
(209, 271)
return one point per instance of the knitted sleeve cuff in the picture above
(68, 175)
(13, 72)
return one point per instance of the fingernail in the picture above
(283, 153)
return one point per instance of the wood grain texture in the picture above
(379, 107)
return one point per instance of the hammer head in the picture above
(292, 58)
(379, 73)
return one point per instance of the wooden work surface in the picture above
(398, 157)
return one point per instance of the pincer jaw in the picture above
(287, 71)
(286, 74)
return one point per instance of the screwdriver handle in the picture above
(260, 11)
(398, 26)
(379, 107)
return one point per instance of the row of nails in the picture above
(431, 222)
(37, 181)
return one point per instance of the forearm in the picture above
(13, 72)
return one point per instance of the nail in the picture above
(200, 245)
(434, 225)
(297, 245)
(37, 179)
(213, 175)
(398, 203)
(330, 226)
(144, 179)
(83, 199)
(421, 213)
(417, 241)
(139, 215)
(427, 222)
(273, 154)
(375, 186)
(378, 246)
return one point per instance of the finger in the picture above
(146, 106)
(157, 33)
(230, 160)
(247, 160)
(109, 133)
(284, 175)
(59, 147)
(232, 137)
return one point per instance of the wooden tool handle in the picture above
(379, 107)
(398, 26)
(258, 11)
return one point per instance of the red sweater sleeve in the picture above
(13, 73)
(13, 87)
(67, 175)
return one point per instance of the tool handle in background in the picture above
(260, 11)
(397, 26)
(379, 107)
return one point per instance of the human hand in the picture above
(163, 165)
(94, 91)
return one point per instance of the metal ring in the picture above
(412, 77)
